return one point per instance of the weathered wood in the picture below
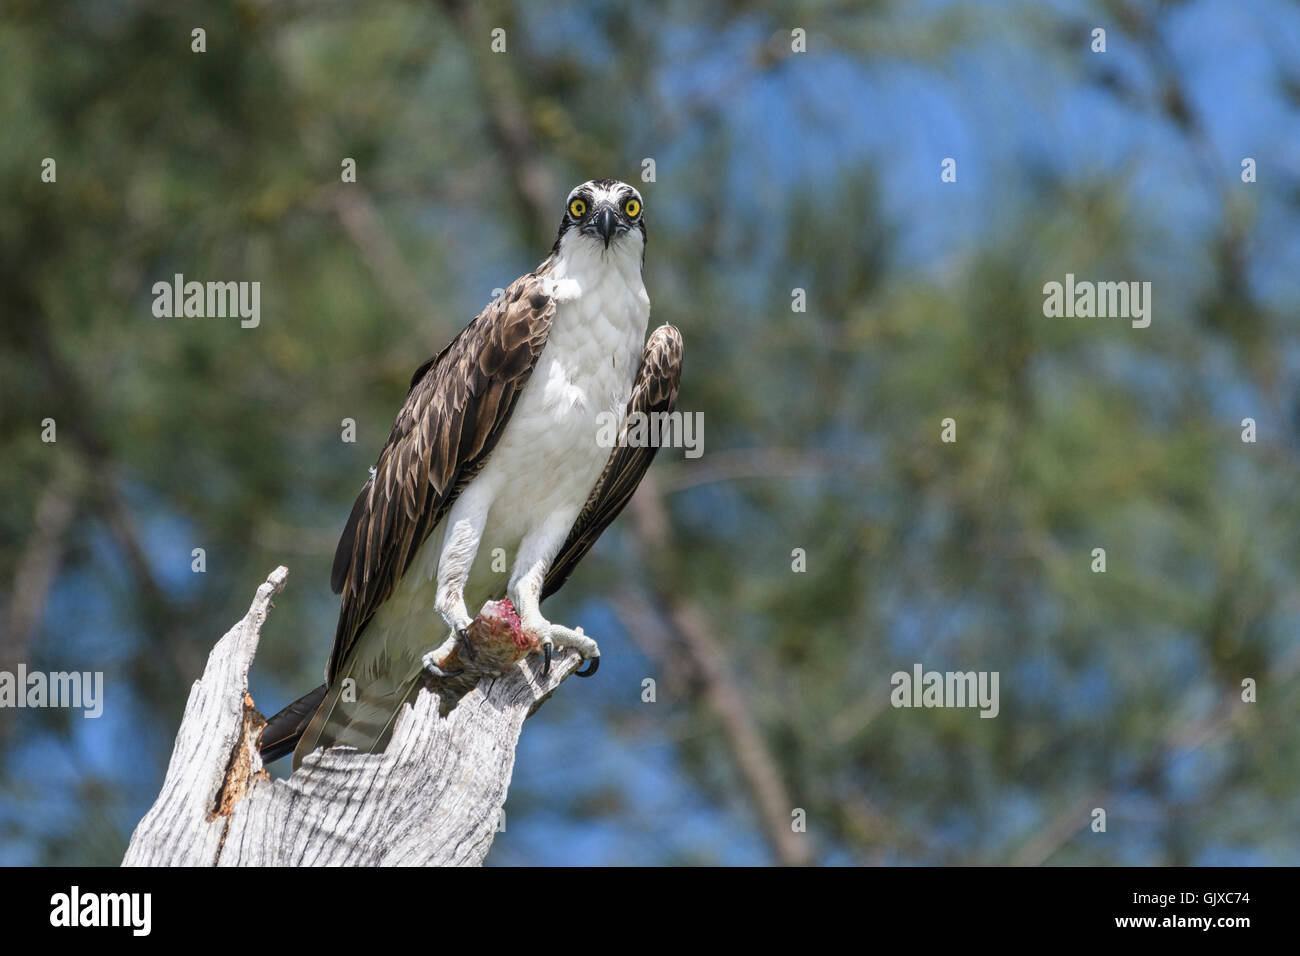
(433, 798)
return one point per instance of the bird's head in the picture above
(606, 212)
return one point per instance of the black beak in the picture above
(605, 224)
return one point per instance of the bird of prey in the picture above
(494, 461)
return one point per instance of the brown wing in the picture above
(457, 406)
(655, 390)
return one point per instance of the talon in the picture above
(463, 636)
(434, 670)
(437, 671)
(546, 652)
(593, 665)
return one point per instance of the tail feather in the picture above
(364, 723)
(281, 733)
(383, 672)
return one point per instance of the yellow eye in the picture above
(632, 208)
(577, 209)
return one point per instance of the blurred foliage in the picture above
(925, 302)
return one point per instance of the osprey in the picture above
(494, 454)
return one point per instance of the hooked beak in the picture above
(605, 224)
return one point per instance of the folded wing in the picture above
(456, 409)
(655, 390)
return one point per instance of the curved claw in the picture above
(593, 665)
(462, 636)
(546, 652)
(437, 671)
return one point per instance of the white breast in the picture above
(549, 458)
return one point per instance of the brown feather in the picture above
(455, 410)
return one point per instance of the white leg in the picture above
(536, 552)
(465, 523)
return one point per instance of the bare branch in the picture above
(39, 565)
(748, 748)
(434, 797)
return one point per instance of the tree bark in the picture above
(434, 797)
